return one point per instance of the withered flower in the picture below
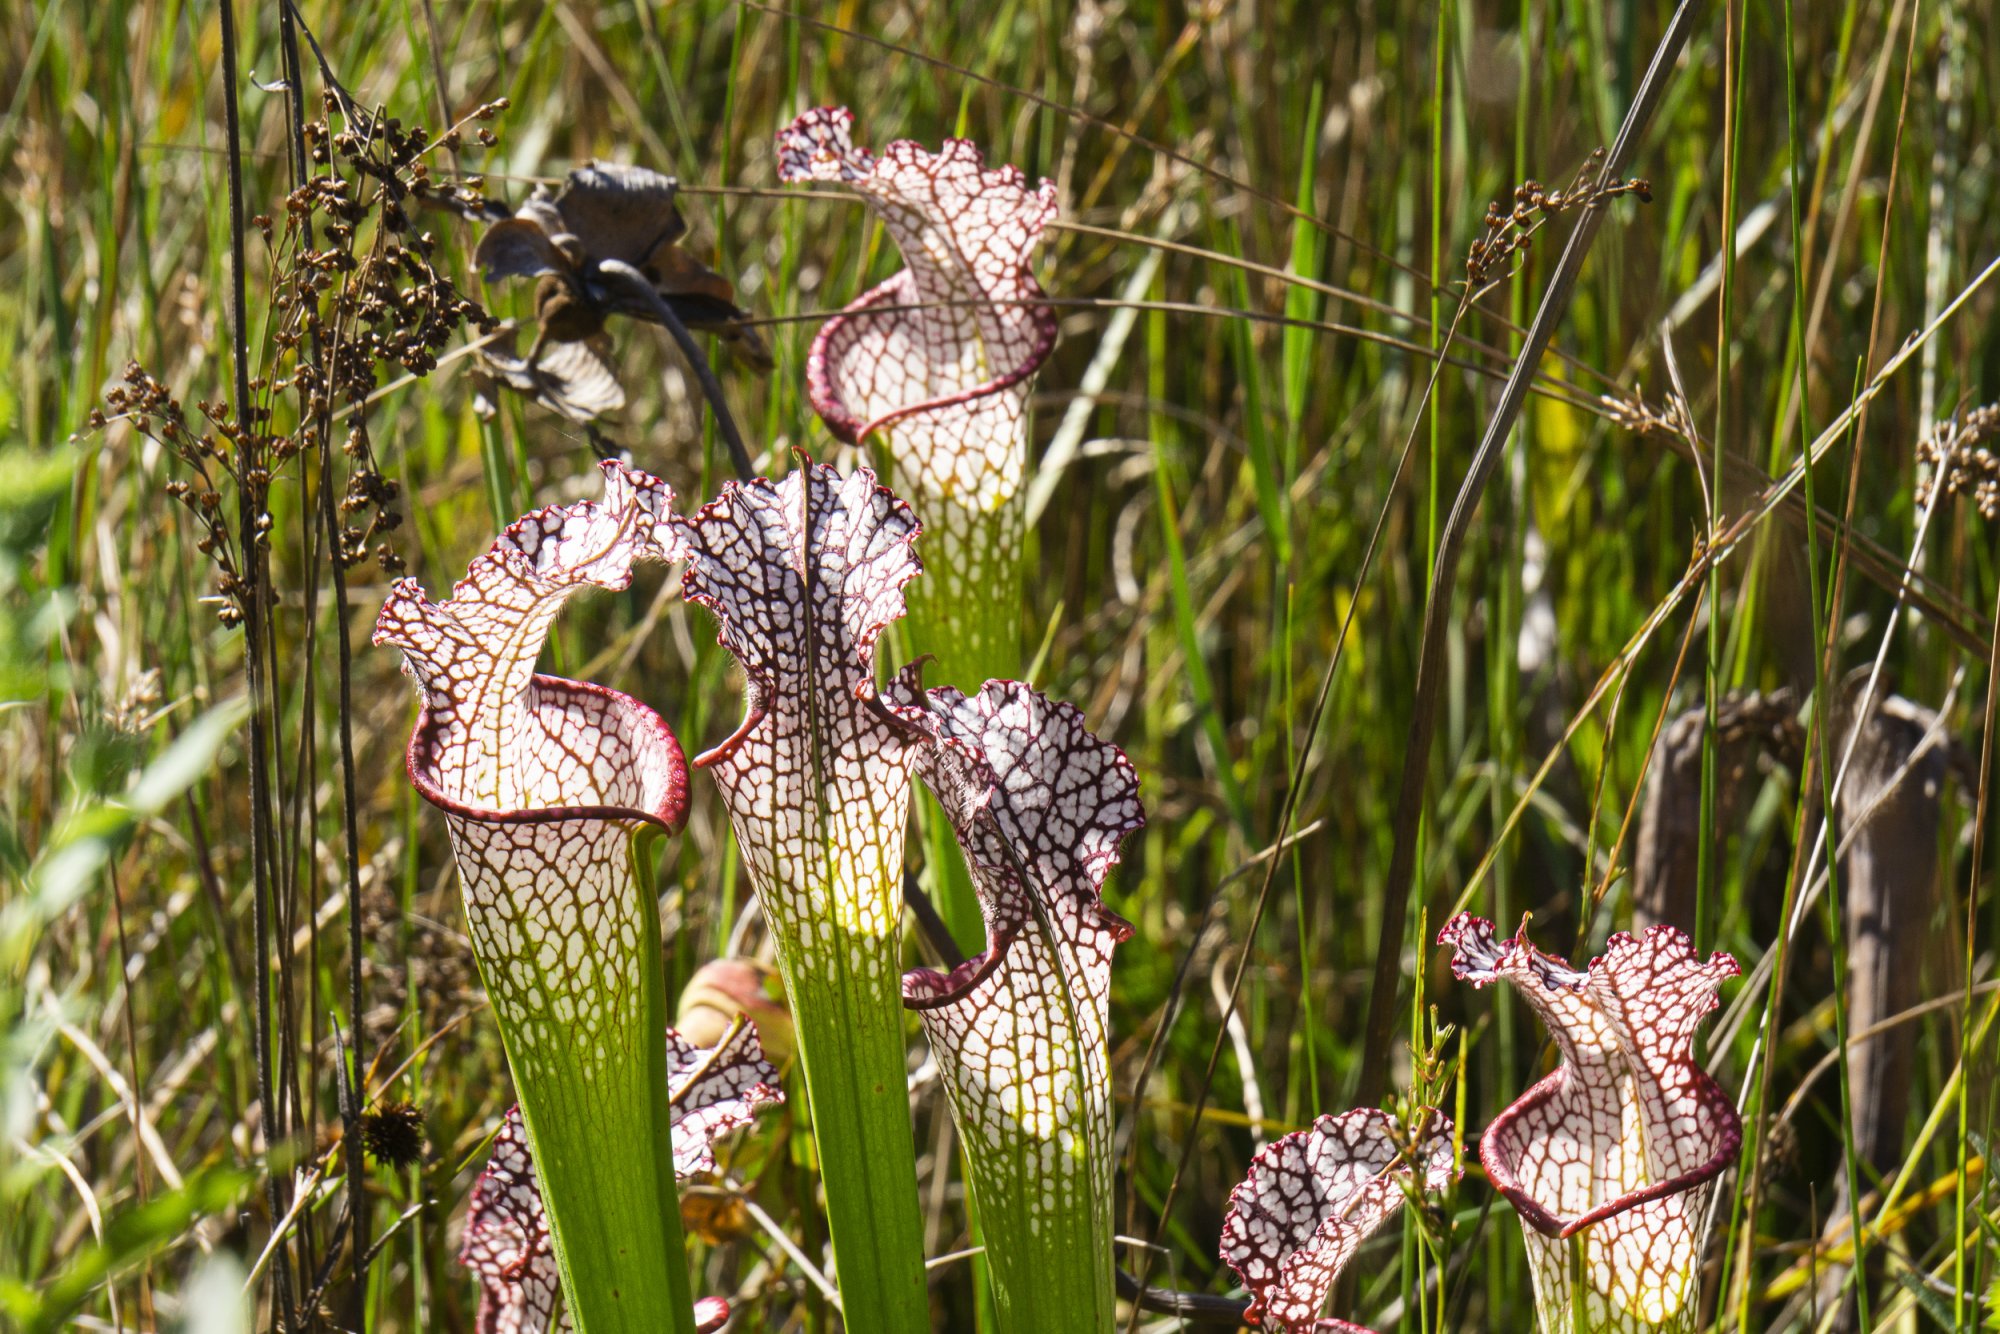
(606, 213)
(575, 380)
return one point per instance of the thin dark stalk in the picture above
(1725, 334)
(358, 1216)
(438, 75)
(303, 825)
(323, 1273)
(348, 106)
(357, 1166)
(930, 922)
(711, 388)
(1444, 575)
(298, 808)
(250, 511)
(139, 1178)
(1196, 1308)
(281, 814)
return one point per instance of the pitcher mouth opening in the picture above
(668, 812)
(828, 401)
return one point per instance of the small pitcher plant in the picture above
(507, 1241)
(1311, 1199)
(1040, 806)
(1610, 1160)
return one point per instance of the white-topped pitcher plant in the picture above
(1040, 806)
(931, 370)
(554, 791)
(1610, 1160)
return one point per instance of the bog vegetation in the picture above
(724, 667)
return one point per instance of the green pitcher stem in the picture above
(599, 1128)
(966, 613)
(1053, 1270)
(966, 610)
(1054, 1275)
(849, 1026)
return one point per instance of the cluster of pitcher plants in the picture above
(555, 791)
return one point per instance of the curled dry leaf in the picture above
(507, 1243)
(1311, 1199)
(605, 212)
(1619, 1147)
(1039, 805)
(935, 363)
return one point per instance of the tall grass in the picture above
(1308, 184)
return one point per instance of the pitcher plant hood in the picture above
(1311, 1199)
(955, 335)
(1617, 1149)
(933, 369)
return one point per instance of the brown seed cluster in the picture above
(1958, 454)
(393, 1133)
(355, 292)
(1509, 232)
(208, 455)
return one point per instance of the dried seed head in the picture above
(394, 1134)
(1510, 232)
(1957, 455)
